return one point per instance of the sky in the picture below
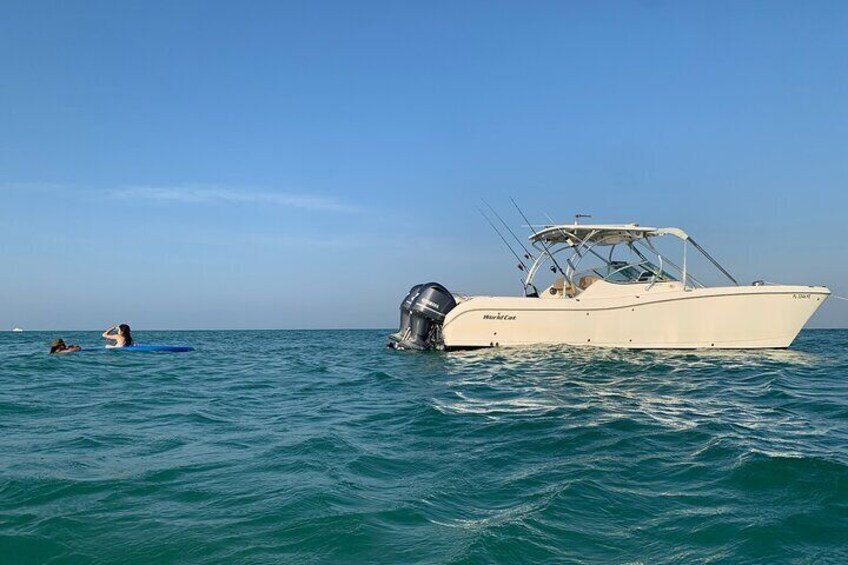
(189, 165)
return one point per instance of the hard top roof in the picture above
(601, 234)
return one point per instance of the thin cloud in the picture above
(213, 194)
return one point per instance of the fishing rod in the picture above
(542, 241)
(521, 265)
(527, 255)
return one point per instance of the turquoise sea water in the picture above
(323, 446)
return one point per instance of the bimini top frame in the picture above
(585, 239)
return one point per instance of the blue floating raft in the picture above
(141, 348)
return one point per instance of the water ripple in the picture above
(316, 447)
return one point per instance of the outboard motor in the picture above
(422, 314)
(405, 313)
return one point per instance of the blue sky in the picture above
(302, 164)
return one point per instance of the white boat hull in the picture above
(663, 316)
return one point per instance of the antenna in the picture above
(578, 216)
(542, 241)
(521, 265)
(527, 255)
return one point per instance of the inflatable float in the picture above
(141, 348)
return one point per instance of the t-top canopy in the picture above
(601, 234)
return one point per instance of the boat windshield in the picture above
(623, 272)
(628, 250)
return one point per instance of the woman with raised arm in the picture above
(121, 334)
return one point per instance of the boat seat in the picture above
(557, 289)
(587, 281)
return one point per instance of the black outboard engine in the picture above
(422, 313)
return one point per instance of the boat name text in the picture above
(498, 316)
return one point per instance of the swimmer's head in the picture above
(124, 331)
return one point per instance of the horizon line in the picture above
(280, 329)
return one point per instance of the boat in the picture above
(611, 287)
(17, 329)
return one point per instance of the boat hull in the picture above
(659, 317)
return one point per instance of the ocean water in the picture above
(326, 447)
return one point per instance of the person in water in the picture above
(121, 334)
(59, 347)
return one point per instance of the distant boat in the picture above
(17, 329)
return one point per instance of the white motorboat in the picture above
(17, 329)
(612, 287)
